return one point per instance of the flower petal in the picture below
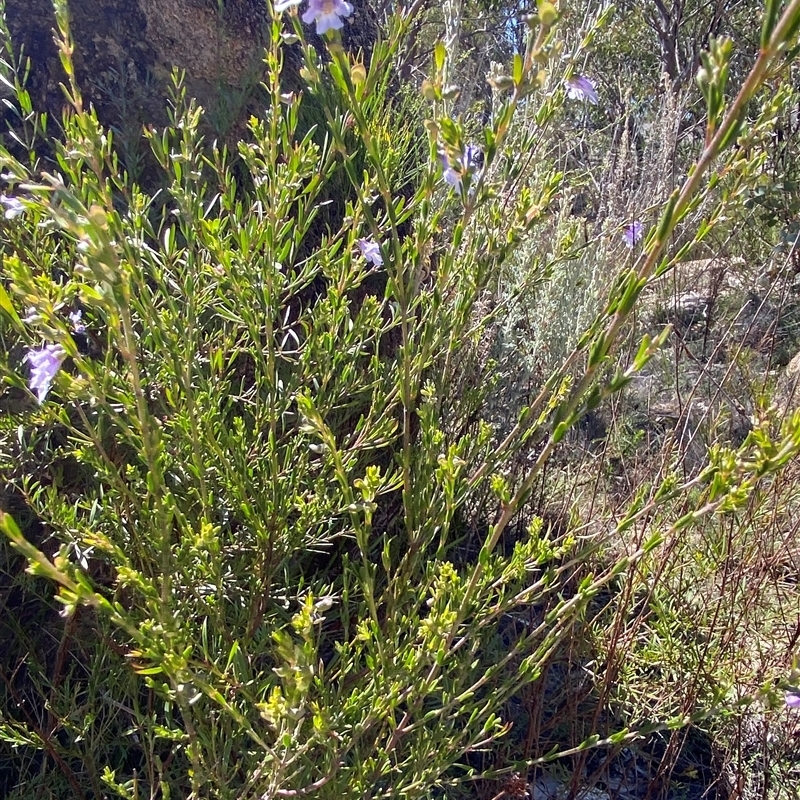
(328, 14)
(582, 88)
(371, 251)
(13, 207)
(45, 364)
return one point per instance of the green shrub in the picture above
(282, 521)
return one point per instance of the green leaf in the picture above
(8, 307)
(771, 10)
(148, 670)
(439, 55)
(518, 68)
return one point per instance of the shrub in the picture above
(277, 518)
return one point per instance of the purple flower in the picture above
(582, 88)
(451, 177)
(328, 14)
(45, 364)
(13, 207)
(792, 700)
(371, 251)
(465, 165)
(632, 234)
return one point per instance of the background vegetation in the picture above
(434, 435)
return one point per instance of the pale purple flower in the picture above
(76, 318)
(465, 165)
(371, 251)
(471, 156)
(451, 177)
(632, 234)
(13, 207)
(328, 14)
(792, 700)
(45, 364)
(582, 88)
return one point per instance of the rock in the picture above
(787, 395)
(125, 51)
(689, 309)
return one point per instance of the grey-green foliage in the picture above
(275, 519)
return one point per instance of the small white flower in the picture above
(13, 206)
(76, 318)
